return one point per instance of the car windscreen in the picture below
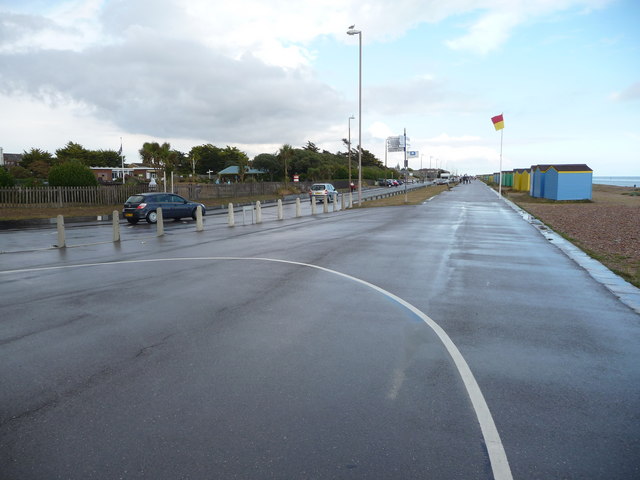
(135, 199)
(318, 187)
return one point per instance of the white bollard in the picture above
(298, 208)
(232, 220)
(325, 204)
(159, 223)
(258, 212)
(116, 226)
(350, 199)
(335, 203)
(280, 211)
(313, 206)
(199, 222)
(60, 226)
(342, 202)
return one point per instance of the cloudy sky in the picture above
(260, 73)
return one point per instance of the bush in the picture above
(71, 174)
(6, 180)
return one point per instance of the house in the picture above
(561, 182)
(232, 173)
(110, 174)
(9, 160)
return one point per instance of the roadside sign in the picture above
(396, 144)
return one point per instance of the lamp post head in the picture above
(353, 31)
(352, 117)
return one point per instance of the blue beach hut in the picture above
(562, 182)
(538, 173)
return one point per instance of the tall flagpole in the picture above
(500, 176)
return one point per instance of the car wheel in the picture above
(152, 217)
(132, 221)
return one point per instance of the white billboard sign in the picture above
(396, 144)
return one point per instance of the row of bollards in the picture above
(116, 226)
(199, 219)
(280, 211)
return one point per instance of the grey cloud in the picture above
(15, 26)
(169, 88)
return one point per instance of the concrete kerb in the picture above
(627, 293)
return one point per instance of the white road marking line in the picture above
(495, 449)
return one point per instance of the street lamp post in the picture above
(352, 31)
(349, 145)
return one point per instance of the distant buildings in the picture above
(9, 160)
(110, 174)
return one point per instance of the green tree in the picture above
(210, 158)
(311, 147)
(40, 168)
(19, 172)
(36, 155)
(285, 154)
(269, 163)
(6, 180)
(71, 174)
(74, 151)
(104, 158)
(160, 157)
(233, 156)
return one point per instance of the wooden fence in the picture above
(117, 194)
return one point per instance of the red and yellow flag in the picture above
(498, 122)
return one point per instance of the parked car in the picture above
(144, 206)
(319, 191)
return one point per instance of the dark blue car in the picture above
(144, 206)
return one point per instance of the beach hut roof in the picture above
(573, 167)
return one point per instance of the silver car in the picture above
(319, 191)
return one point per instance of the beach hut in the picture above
(521, 179)
(569, 182)
(538, 173)
(562, 181)
(507, 178)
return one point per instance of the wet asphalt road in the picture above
(198, 355)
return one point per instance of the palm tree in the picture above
(160, 157)
(285, 154)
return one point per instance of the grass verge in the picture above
(414, 197)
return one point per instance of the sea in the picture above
(619, 181)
